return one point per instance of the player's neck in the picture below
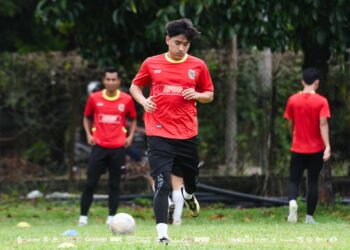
(110, 93)
(309, 90)
(175, 60)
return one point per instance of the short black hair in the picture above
(110, 70)
(310, 75)
(182, 26)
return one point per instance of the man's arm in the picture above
(204, 97)
(132, 128)
(291, 126)
(146, 103)
(87, 123)
(325, 137)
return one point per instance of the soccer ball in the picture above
(123, 223)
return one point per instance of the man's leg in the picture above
(161, 160)
(178, 200)
(95, 169)
(188, 190)
(188, 160)
(115, 168)
(160, 203)
(315, 164)
(295, 175)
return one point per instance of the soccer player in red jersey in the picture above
(104, 120)
(307, 113)
(178, 81)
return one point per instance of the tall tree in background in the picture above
(135, 27)
(231, 109)
(21, 32)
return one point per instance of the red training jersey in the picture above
(175, 117)
(305, 110)
(109, 114)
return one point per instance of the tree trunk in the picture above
(231, 110)
(326, 192)
(265, 80)
(74, 121)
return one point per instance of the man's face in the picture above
(111, 81)
(178, 46)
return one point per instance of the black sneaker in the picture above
(192, 204)
(171, 214)
(164, 241)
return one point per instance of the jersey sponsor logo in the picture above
(121, 107)
(157, 71)
(159, 126)
(111, 119)
(99, 104)
(171, 90)
(191, 74)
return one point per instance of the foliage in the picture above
(135, 27)
(36, 96)
(37, 90)
(124, 32)
(21, 32)
(117, 33)
(250, 112)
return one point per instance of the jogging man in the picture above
(307, 113)
(177, 82)
(104, 120)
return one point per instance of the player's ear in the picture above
(317, 83)
(167, 39)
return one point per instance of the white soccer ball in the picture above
(123, 223)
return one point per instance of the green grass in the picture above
(216, 228)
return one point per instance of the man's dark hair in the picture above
(310, 75)
(182, 26)
(110, 70)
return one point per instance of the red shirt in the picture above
(305, 110)
(175, 117)
(109, 114)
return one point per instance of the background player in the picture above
(105, 113)
(307, 113)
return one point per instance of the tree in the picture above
(135, 27)
(20, 32)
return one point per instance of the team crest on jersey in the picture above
(191, 74)
(121, 107)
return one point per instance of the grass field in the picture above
(216, 228)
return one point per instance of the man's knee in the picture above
(162, 183)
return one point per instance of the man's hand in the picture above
(128, 141)
(327, 153)
(149, 105)
(90, 139)
(190, 94)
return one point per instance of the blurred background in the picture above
(51, 50)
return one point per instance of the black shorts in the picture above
(102, 159)
(172, 155)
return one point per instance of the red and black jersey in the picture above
(174, 117)
(305, 110)
(109, 115)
